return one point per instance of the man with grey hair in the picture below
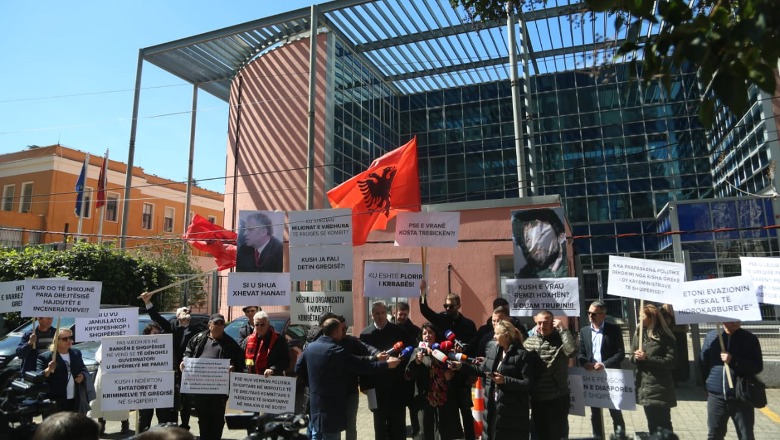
(392, 394)
(601, 346)
(259, 250)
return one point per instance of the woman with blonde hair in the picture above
(508, 369)
(655, 362)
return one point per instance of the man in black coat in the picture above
(213, 343)
(35, 341)
(465, 330)
(401, 319)
(182, 330)
(260, 251)
(601, 346)
(392, 394)
(743, 356)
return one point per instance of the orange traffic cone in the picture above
(478, 396)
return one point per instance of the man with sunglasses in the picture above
(601, 346)
(465, 330)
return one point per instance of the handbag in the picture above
(750, 390)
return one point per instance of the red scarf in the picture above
(257, 350)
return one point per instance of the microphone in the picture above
(441, 357)
(397, 347)
(406, 352)
(460, 357)
(450, 335)
(446, 346)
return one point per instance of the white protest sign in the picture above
(137, 353)
(527, 296)
(307, 306)
(11, 294)
(324, 226)
(766, 277)
(329, 262)
(258, 288)
(576, 395)
(389, 280)
(110, 322)
(717, 300)
(608, 388)
(50, 297)
(128, 391)
(257, 393)
(205, 376)
(644, 279)
(427, 229)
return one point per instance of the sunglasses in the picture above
(594, 314)
(450, 306)
(66, 338)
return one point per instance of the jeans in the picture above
(658, 417)
(718, 413)
(324, 435)
(597, 423)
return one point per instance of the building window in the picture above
(86, 201)
(168, 219)
(212, 219)
(8, 197)
(112, 207)
(146, 219)
(25, 202)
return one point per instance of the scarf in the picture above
(437, 395)
(257, 350)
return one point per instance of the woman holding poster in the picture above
(655, 363)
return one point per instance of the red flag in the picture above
(101, 189)
(390, 185)
(214, 240)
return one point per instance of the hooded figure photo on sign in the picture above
(539, 238)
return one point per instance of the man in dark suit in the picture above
(601, 346)
(327, 366)
(392, 394)
(260, 251)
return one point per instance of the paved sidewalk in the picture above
(689, 419)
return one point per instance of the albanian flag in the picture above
(390, 185)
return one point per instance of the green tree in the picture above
(734, 43)
(124, 275)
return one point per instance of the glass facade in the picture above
(617, 151)
(364, 117)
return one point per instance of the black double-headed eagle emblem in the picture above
(376, 189)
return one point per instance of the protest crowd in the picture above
(427, 371)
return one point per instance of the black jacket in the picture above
(746, 360)
(29, 355)
(230, 349)
(180, 340)
(507, 404)
(389, 382)
(613, 349)
(463, 327)
(271, 258)
(58, 380)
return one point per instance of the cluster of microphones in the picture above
(444, 352)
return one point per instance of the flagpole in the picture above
(103, 179)
(80, 196)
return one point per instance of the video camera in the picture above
(23, 400)
(269, 426)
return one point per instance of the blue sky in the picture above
(69, 70)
